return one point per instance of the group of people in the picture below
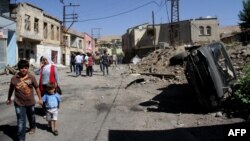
(78, 61)
(22, 84)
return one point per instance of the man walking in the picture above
(79, 61)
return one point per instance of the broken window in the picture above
(52, 32)
(222, 63)
(45, 30)
(27, 22)
(201, 30)
(57, 33)
(208, 30)
(65, 39)
(36, 27)
(80, 43)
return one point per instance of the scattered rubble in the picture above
(9, 70)
(157, 63)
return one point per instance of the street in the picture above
(105, 108)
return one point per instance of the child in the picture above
(52, 101)
(23, 83)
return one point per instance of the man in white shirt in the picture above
(78, 60)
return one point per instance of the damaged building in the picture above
(142, 39)
(38, 33)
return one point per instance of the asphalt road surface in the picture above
(106, 108)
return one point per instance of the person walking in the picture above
(78, 60)
(100, 61)
(23, 83)
(51, 100)
(72, 63)
(89, 65)
(105, 63)
(48, 73)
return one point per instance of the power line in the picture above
(125, 12)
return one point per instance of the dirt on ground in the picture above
(130, 104)
(159, 62)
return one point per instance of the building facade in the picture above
(142, 39)
(73, 42)
(51, 43)
(38, 34)
(89, 44)
(8, 46)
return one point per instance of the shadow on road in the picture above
(42, 126)
(9, 130)
(39, 111)
(204, 133)
(176, 98)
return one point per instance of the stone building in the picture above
(73, 41)
(142, 39)
(38, 33)
(51, 43)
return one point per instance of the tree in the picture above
(244, 15)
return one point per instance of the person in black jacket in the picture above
(72, 62)
(105, 62)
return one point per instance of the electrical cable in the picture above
(125, 12)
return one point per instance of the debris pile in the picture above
(158, 62)
(9, 70)
(240, 57)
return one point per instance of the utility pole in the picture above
(66, 18)
(153, 29)
(95, 35)
(174, 24)
(69, 17)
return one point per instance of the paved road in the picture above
(99, 108)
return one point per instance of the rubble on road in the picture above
(8, 70)
(240, 56)
(157, 63)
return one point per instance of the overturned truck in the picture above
(210, 72)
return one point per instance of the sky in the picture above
(113, 17)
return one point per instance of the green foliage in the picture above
(244, 15)
(243, 93)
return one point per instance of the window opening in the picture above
(27, 22)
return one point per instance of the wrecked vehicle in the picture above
(210, 72)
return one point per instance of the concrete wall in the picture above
(12, 50)
(137, 41)
(46, 50)
(197, 37)
(8, 46)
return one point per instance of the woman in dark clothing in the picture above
(89, 65)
